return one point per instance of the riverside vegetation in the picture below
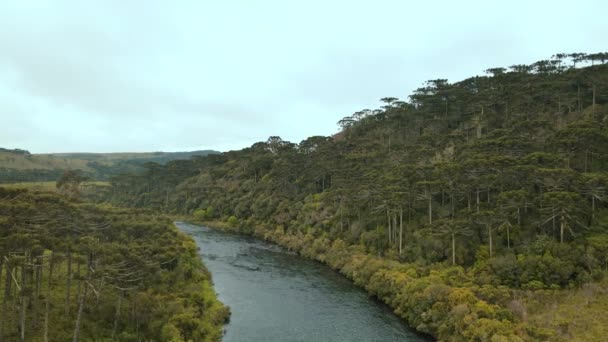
(476, 209)
(72, 271)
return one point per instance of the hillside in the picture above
(21, 166)
(79, 272)
(467, 208)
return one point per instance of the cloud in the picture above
(152, 75)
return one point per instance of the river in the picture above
(276, 295)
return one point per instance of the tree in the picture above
(451, 228)
(512, 202)
(565, 207)
(594, 187)
(427, 189)
(489, 220)
(69, 183)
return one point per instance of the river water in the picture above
(276, 295)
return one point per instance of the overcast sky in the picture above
(182, 75)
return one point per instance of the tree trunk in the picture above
(82, 300)
(430, 209)
(508, 239)
(22, 319)
(46, 317)
(453, 249)
(79, 279)
(23, 300)
(7, 293)
(117, 315)
(592, 208)
(593, 105)
(477, 203)
(69, 283)
(400, 231)
(452, 204)
(47, 298)
(341, 219)
(490, 238)
(51, 268)
(99, 291)
(35, 301)
(518, 216)
(394, 229)
(561, 229)
(388, 217)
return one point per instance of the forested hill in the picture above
(77, 272)
(21, 166)
(504, 175)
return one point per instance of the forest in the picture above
(74, 271)
(469, 208)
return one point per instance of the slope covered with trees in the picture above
(71, 271)
(449, 206)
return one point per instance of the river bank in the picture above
(442, 302)
(276, 295)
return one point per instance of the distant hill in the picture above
(22, 166)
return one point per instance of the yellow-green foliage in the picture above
(446, 303)
(577, 315)
(435, 303)
(132, 275)
(504, 175)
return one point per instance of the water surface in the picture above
(276, 295)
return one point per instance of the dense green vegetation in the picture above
(449, 205)
(75, 271)
(21, 166)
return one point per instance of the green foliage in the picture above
(503, 175)
(85, 272)
(232, 221)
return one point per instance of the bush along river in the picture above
(276, 295)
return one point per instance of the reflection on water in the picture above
(275, 295)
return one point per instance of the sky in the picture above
(134, 76)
